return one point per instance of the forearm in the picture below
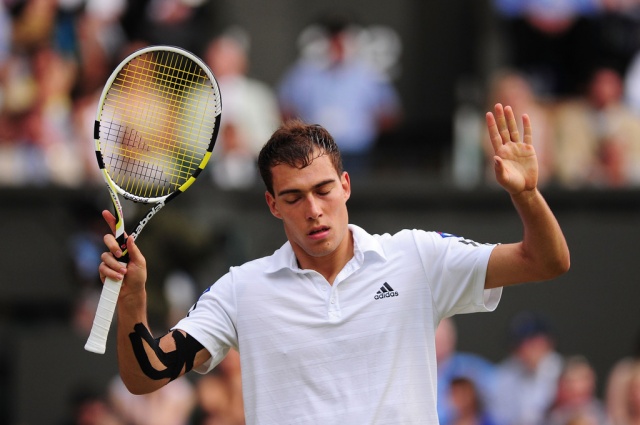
(132, 310)
(541, 255)
(147, 363)
(544, 247)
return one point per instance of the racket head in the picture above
(157, 123)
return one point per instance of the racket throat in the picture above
(146, 218)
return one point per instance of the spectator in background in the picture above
(171, 405)
(526, 381)
(576, 399)
(5, 38)
(452, 365)
(619, 35)
(54, 59)
(631, 398)
(100, 40)
(617, 394)
(342, 92)
(52, 64)
(34, 23)
(632, 83)
(31, 26)
(512, 87)
(89, 407)
(550, 41)
(598, 136)
(100, 44)
(55, 76)
(37, 142)
(250, 115)
(467, 403)
(189, 24)
(220, 394)
(213, 402)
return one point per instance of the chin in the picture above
(319, 252)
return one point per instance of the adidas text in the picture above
(385, 295)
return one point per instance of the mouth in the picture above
(318, 231)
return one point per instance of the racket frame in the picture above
(111, 289)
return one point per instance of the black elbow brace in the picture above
(174, 361)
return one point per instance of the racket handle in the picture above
(97, 342)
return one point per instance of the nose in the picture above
(313, 209)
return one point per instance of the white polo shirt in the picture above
(360, 351)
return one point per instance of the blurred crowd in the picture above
(533, 384)
(572, 65)
(55, 57)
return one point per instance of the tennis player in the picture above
(337, 326)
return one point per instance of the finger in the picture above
(110, 219)
(494, 134)
(512, 124)
(110, 267)
(528, 130)
(106, 272)
(501, 121)
(113, 245)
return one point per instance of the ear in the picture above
(345, 181)
(271, 202)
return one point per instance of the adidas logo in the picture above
(385, 291)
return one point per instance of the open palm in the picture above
(516, 164)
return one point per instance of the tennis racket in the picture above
(155, 129)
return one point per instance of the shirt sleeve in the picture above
(456, 269)
(211, 321)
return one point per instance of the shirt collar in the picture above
(366, 246)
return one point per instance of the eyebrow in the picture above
(315, 186)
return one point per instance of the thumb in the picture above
(498, 165)
(135, 255)
(500, 171)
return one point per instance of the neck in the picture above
(331, 264)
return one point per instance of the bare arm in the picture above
(543, 253)
(146, 364)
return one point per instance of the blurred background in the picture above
(402, 85)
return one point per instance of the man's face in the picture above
(311, 202)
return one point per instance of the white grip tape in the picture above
(97, 342)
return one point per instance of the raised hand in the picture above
(515, 161)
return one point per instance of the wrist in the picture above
(133, 302)
(525, 196)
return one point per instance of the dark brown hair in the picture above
(296, 144)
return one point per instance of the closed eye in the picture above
(325, 188)
(292, 201)
(291, 196)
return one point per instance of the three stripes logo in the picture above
(385, 291)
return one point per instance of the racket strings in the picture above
(172, 93)
(153, 141)
(132, 173)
